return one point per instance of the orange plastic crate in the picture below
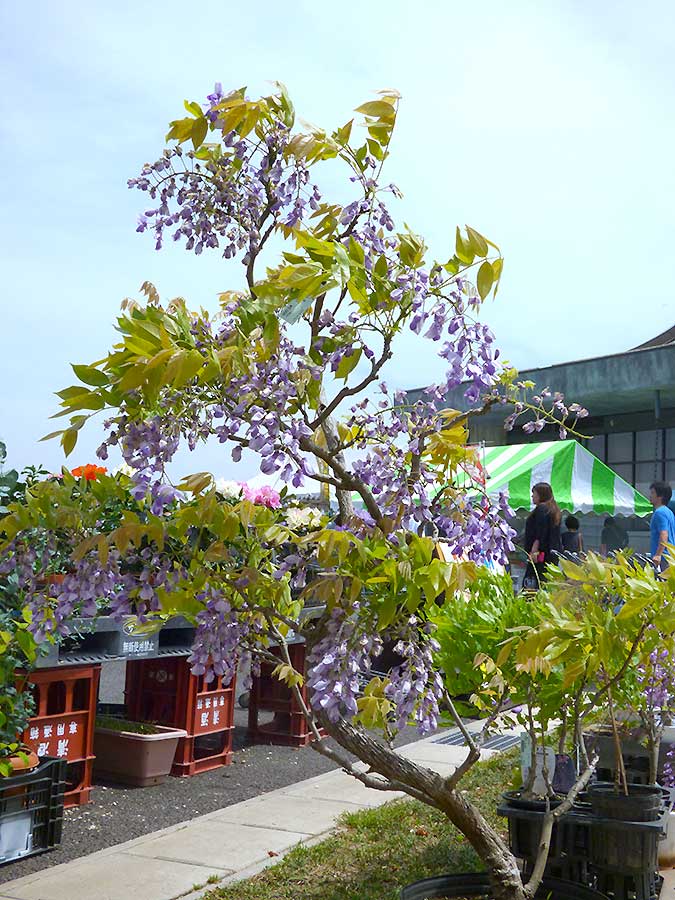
(63, 726)
(164, 691)
(289, 726)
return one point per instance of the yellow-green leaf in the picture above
(69, 440)
(485, 279)
(378, 109)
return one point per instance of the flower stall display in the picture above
(292, 367)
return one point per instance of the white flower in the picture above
(231, 490)
(124, 469)
(307, 517)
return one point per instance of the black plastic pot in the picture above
(515, 799)
(446, 887)
(642, 804)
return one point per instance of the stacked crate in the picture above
(289, 726)
(63, 724)
(165, 692)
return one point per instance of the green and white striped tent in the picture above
(580, 481)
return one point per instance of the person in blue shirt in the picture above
(662, 525)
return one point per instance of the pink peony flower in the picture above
(267, 496)
(264, 496)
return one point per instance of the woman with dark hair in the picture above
(542, 532)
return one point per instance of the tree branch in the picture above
(348, 480)
(341, 395)
(609, 684)
(550, 818)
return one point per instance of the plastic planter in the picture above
(136, 759)
(446, 887)
(643, 803)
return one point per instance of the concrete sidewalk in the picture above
(231, 843)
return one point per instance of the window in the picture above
(639, 457)
(670, 443)
(597, 446)
(624, 470)
(646, 474)
(649, 445)
(620, 447)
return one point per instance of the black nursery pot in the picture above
(517, 801)
(447, 887)
(642, 804)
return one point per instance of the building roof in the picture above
(661, 340)
(616, 383)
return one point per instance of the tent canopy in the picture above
(580, 481)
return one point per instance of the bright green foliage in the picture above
(17, 653)
(475, 623)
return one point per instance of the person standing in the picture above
(662, 525)
(614, 537)
(542, 532)
(572, 539)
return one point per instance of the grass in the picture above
(377, 851)
(115, 724)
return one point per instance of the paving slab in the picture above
(222, 845)
(428, 754)
(285, 812)
(341, 787)
(668, 889)
(118, 877)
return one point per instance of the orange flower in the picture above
(90, 471)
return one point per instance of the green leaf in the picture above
(485, 279)
(411, 249)
(134, 377)
(69, 440)
(343, 134)
(387, 612)
(199, 130)
(196, 483)
(180, 130)
(348, 364)
(378, 109)
(286, 104)
(477, 242)
(52, 434)
(193, 107)
(84, 400)
(90, 375)
(189, 364)
(463, 249)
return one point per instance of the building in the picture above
(631, 400)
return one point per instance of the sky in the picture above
(547, 126)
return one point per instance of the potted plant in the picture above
(135, 753)
(16, 705)
(354, 285)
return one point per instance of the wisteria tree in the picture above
(292, 366)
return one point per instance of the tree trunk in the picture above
(344, 498)
(500, 863)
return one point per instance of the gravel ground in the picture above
(117, 814)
